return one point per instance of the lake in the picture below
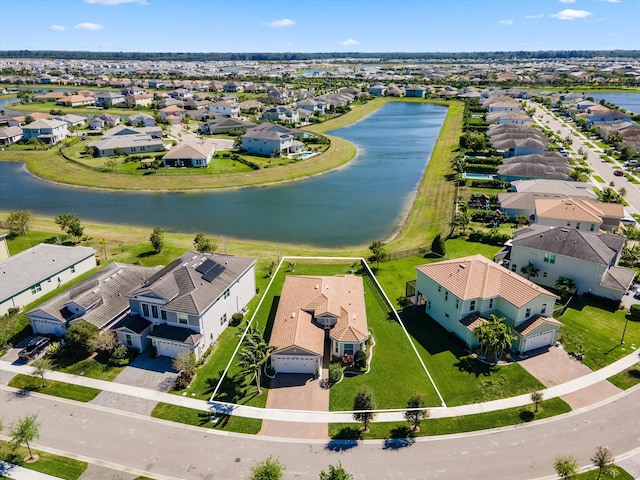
(627, 100)
(366, 200)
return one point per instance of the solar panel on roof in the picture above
(205, 266)
(214, 272)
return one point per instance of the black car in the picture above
(34, 348)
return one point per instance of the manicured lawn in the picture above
(627, 378)
(96, 366)
(622, 474)
(599, 330)
(58, 466)
(200, 418)
(57, 389)
(445, 426)
(598, 178)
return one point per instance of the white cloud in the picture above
(116, 2)
(88, 26)
(571, 14)
(57, 28)
(506, 22)
(349, 42)
(533, 17)
(285, 22)
(567, 1)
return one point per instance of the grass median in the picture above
(47, 463)
(54, 388)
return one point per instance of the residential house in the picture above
(462, 293)
(269, 139)
(72, 120)
(141, 120)
(40, 270)
(415, 91)
(514, 147)
(233, 87)
(4, 247)
(590, 259)
(308, 307)
(47, 131)
(378, 90)
(171, 114)
(571, 189)
(578, 213)
(312, 105)
(595, 115)
(110, 99)
(227, 108)
(548, 165)
(9, 135)
(105, 120)
(126, 145)
(191, 301)
(181, 94)
(281, 114)
(189, 155)
(75, 101)
(169, 102)
(193, 104)
(155, 132)
(140, 100)
(225, 125)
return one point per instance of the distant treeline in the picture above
(290, 56)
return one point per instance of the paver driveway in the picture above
(553, 366)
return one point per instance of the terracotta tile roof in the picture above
(472, 321)
(577, 209)
(528, 326)
(478, 277)
(306, 297)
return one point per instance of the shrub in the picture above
(360, 359)
(335, 373)
(236, 319)
(634, 311)
(82, 339)
(119, 356)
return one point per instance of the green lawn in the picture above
(621, 474)
(55, 465)
(627, 378)
(200, 418)
(57, 389)
(449, 425)
(598, 178)
(599, 330)
(97, 366)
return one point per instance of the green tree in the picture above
(459, 164)
(40, 367)
(438, 246)
(378, 253)
(609, 195)
(603, 460)
(70, 224)
(416, 410)
(530, 270)
(202, 243)
(25, 430)
(565, 286)
(474, 141)
(271, 268)
(522, 219)
(536, 398)
(254, 355)
(157, 239)
(82, 339)
(185, 361)
(461, 221)
(495, 337)
(362, 406)
(336, 472)
(566, 466)
(269, 469)
(18, 221)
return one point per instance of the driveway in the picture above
(553, 366)
(291, 391)
(144, 372)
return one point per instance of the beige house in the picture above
(318, 316)
(578, 213)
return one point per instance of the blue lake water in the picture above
(627, 100)
(366, 200)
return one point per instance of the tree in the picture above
(461, 221)
(566, 466)
(564, 286)
(254, 355)
(107, 341)
(18, 221)
(25, 430)
(474, 141)
(416, 410)
(185, 361)
(530, 270)
(378, 253)
(269, 469)
(336, 472)
(522, 219)
(202, 243)
(362, 406)
(459, 164)
(603, 460)
(495, 336)
(70, 224)
(536, 397)
(157, 239)
(40, 367)
(271, 268)
(609, 195)
(438, 246)
(82, 339)
(103, 244)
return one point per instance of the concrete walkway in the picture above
(288, 415)
(8, 470)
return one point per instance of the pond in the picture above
(366, 200)
(627, 100)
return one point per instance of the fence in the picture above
(407, 253)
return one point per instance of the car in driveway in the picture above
(618, 173)
(34, 348)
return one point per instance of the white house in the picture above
(308, 307)
(269, 139)
(226, 108)
(47, 131)
(39, 270)
(460, 294)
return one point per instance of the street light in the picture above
(624, 329)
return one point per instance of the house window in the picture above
(528, 312)
(568, 224)
(491, 303)
(227, 293)
(549, 258)
(128, 339)
(439, 288)
(154, 311)
(36, 288)
(446, 296)
(73, 269)
(223, 319)
(457, 303)
(183, 318)
(163, 314)
(337, 351)
(592, 227)
(472, 306)
(544, 274)
(429, 305)
(543, 310)
(577, 225)
(145, 310)
(514, 268)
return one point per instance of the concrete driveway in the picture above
(292, 391)
(553, 366)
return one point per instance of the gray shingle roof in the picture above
(177, 334)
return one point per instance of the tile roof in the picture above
(306, 297)
(528, 326)
(133, 322)
(577, 209)
(177, 334)
(478, 277)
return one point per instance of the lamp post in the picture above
(624, 329)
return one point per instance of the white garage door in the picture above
(294, 364)
(170, 349)
(42, 327)
(539, 340)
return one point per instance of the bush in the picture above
(182, 380)
(634, 311)
(360, 359)
(119, 356)
(335, 373)
(490, 238)
(236, 319)
(82, 339)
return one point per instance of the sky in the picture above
(319, 25)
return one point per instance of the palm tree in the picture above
(484, 332)
(609, 195)
(503, 338)
(459, 164)
(461, 221)
(565, 285)
(254, 355)
(630, 255)
(529, 271)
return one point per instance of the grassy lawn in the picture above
(96, 366)
(627, 378)
(200, 418)
(445, 426)
(599, 330)
(621, 474)
(55, 465)
(598, 179)
(57, 389)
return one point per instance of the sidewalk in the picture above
(8, 470)
(331, 417)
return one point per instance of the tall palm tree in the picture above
(254, 355)
(609, 195)
(484, 333)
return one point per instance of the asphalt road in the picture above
(171, 450)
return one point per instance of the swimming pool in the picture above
(479, 176)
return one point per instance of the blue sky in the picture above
(318, 25)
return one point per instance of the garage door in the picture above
(294, 364)
(540, 340)
(170, 349)
(41, 327)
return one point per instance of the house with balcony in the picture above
(269, 139)
(46, 131)
(226, 108)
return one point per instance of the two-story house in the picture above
(46, 131)
(225, 108)
(269, 139)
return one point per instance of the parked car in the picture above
(618, 173)
(34, 348)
